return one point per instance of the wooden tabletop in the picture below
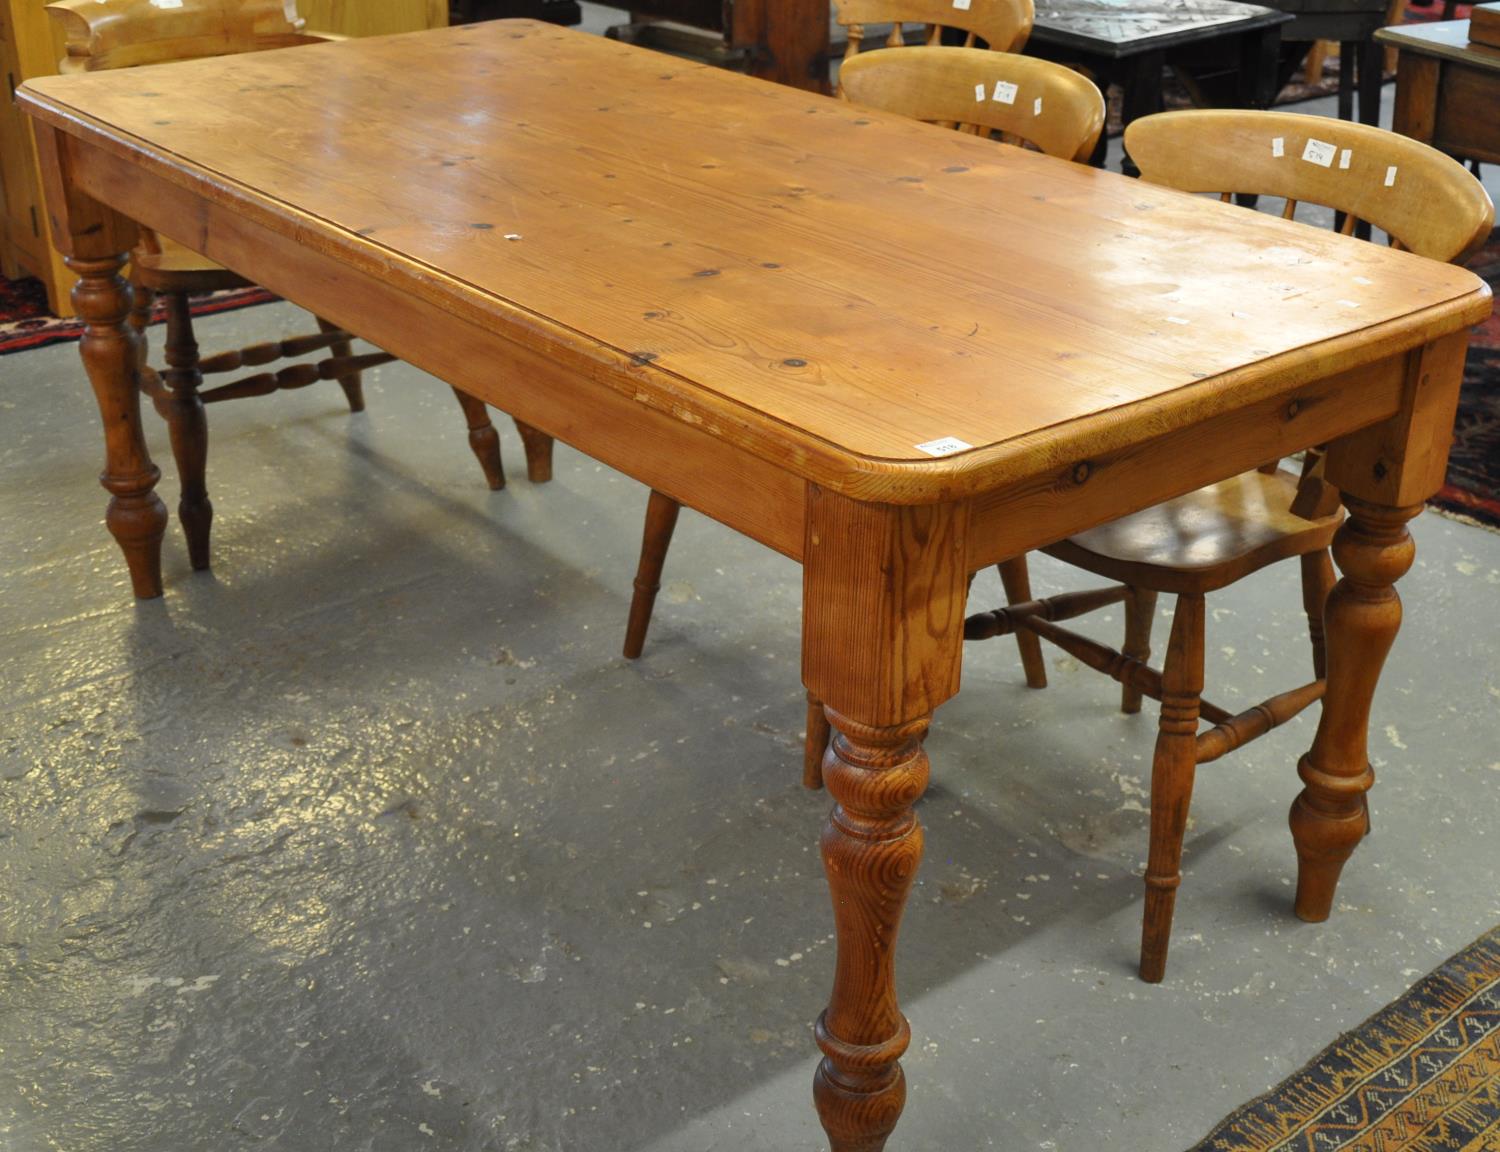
(844, 284)
(1446, 38)
(1127, 27)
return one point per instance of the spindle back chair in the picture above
(1208, 539)
(108, 34)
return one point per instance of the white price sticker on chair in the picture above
(1005, 92)
(1344, 157)
(979, 93)
(1319, 152)
(1036, 106)
(947, 446)
(1390, 176)
(166, 3)
(961, 5)
(1278, 146)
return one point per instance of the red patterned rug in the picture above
(1473, 487)
(26, 323)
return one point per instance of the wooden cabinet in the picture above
(30, 47)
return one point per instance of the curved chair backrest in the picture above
(104, 34)
(1425, 201)
(1054, 108)
(1003, 25)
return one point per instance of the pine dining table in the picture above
(891, 352)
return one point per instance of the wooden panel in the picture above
(1081, 493)
(373, 17)
(703, 252)
(1468, 115)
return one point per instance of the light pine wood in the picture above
(1054, 108)
(872, 306)
(1051, 107)
(1216, 150)
(1205, 540)
(1002, 25)
(1081, 408)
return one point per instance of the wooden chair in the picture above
(1002, 25)
(937, 84)
(102, 34)
(1208, 539)
(943, 86)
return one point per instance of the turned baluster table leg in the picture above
(1373, 550)
(872, 845)
(1384, 472)
(883, 600)
(136, 517)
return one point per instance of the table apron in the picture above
(1080, 494)
(569, 396)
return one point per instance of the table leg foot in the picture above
(1328, 819)
(136, 517)
(871, 846)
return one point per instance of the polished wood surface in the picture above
(718, 336)
(1035, 101)
(1447, 89)
(726, 204)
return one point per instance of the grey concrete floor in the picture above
(371, 840)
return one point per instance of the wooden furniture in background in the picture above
(1216, 536)
(1130, 46)
(1447, 89)
(104, 34)
(373, 17)
(1053, 108)
(999, 25)
(30, 47)
(893, 416)
(1352, 25)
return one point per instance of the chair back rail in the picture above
(1052, 107)
(1425, 201)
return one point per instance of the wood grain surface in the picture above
(681, 216)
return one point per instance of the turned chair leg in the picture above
(1318, 579)
(1017, 580)
(818, 733)
(182, 408)
(140, 319)
(1172, 771)
(483, 438)
(661, 519)
(538, 447)
(353, 386)
(1140, 614)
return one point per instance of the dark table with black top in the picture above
(1227, 50)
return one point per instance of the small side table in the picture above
(1447, 90)
(1128, 42)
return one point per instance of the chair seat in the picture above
(179, 269)
(1203, 541)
